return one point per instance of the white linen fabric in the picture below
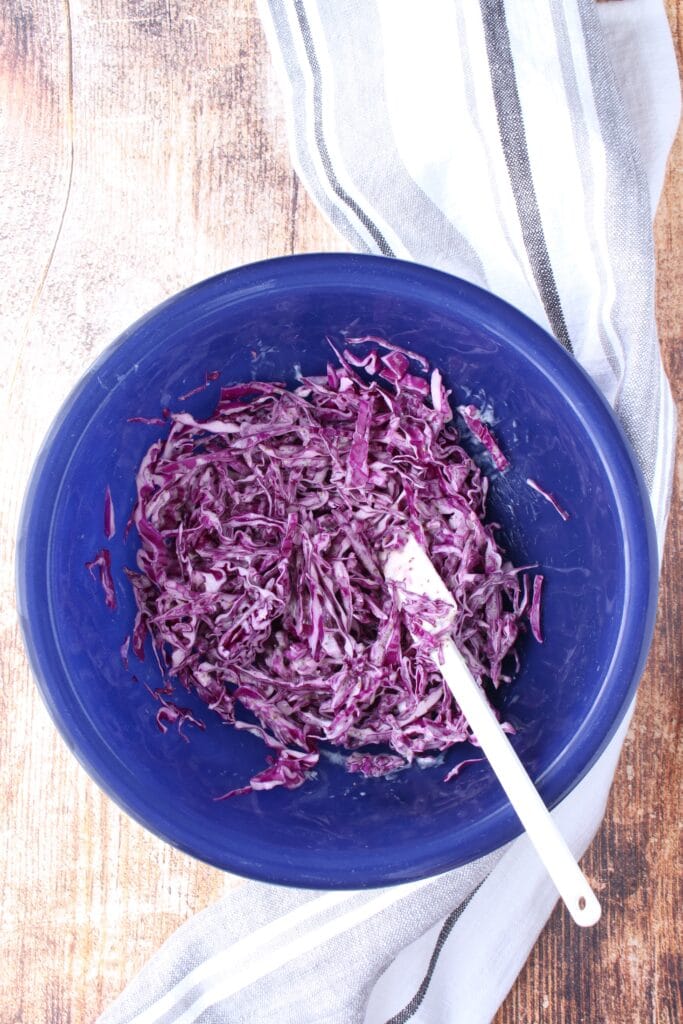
(521, 146)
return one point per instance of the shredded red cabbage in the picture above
(472, 417)
(562, 512)
(259, 575)
(171, 714)
(209, 377)
(535, 610)
(374, 766)
(102, 562)
(109, 519)
(154, 421)
(454, 772)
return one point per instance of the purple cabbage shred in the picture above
(102, 562)
(374, 766)
(454, 772)
(259, 575)
(535, 612)
(109, 520)
(475, 424)
(209, 377)
(171, 714)
(562, 512)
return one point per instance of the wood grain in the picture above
(143, 149)
(629, 969)
(136, 135)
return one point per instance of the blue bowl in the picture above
(266, 321)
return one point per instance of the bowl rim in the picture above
(632, 508)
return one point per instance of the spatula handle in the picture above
(570, 881)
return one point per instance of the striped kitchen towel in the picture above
(521, 146)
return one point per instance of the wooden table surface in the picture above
(143, 148)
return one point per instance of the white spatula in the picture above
(412, 569)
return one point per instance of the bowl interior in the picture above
(269, 321)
